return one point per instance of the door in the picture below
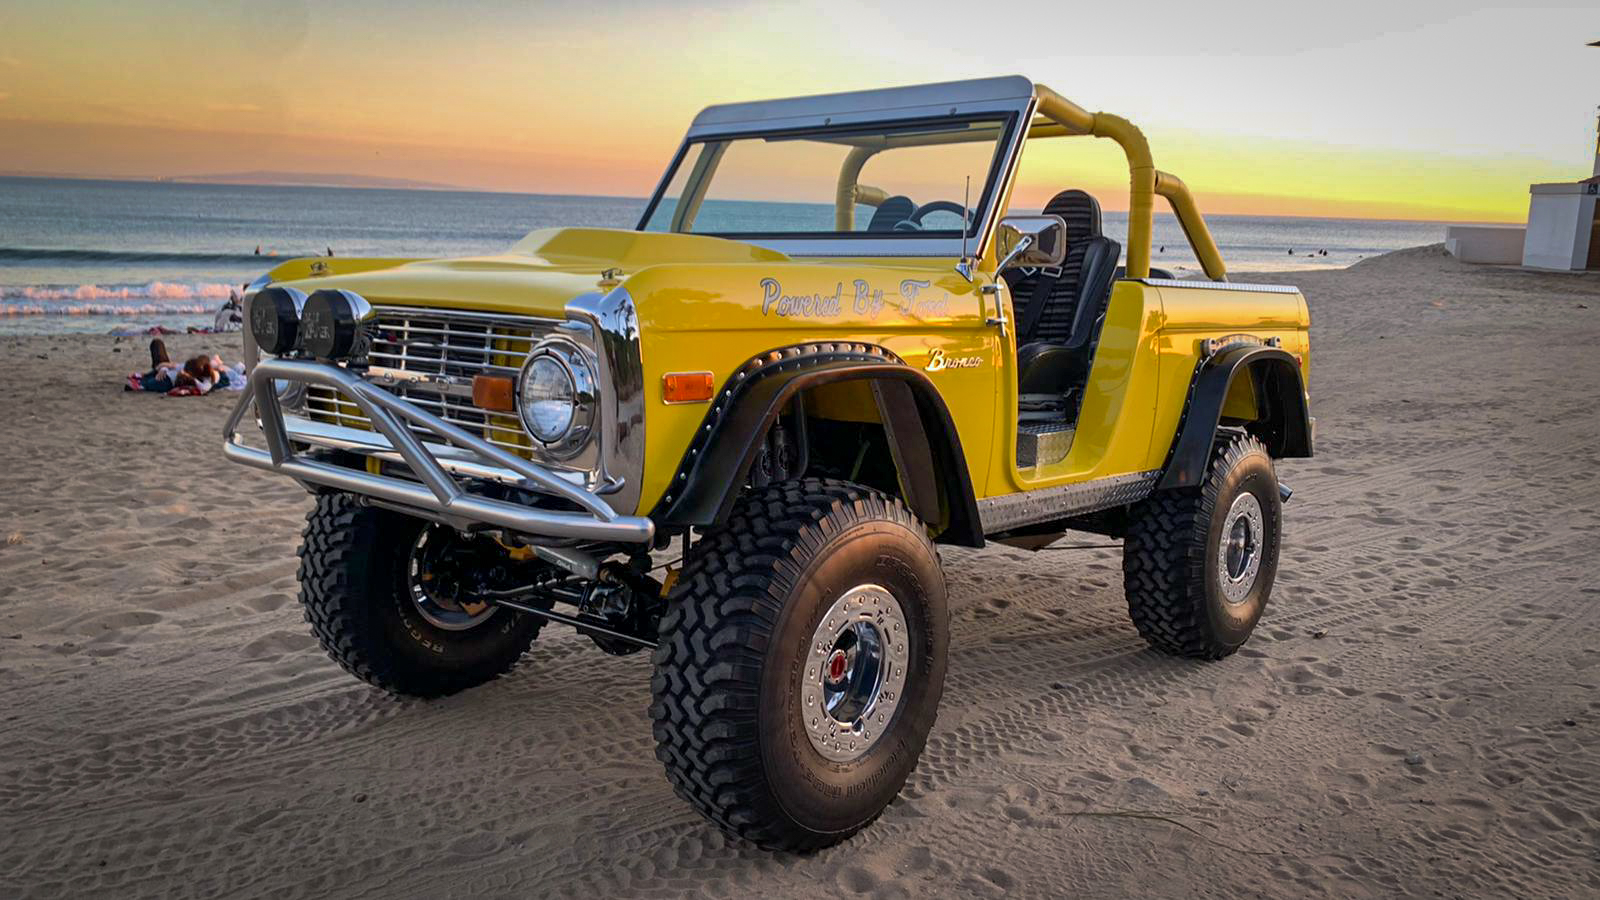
(1594, 239)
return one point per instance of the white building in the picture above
(1563, 232)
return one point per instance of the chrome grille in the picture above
(448, 348)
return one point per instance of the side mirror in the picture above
(1031, 241)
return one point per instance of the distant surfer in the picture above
(258, 249)
(330, 251)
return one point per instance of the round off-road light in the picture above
(275, 319)
(333, 324)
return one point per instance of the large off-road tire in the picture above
(801, 663)
(356, 586)
(1198, 563)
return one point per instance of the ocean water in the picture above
(101, 256)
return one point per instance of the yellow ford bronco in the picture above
(736, 433)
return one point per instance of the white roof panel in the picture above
(947, 98)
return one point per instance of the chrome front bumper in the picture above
(436, 491)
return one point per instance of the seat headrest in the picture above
(1080, 210)
(891, 212)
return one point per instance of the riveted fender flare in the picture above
(1285, 424)
(922, 436)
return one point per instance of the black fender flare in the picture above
(922, 436)
(1280, 397)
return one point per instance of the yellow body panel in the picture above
(1192, 315)
(736, 312)
(711, 304)
(1113, 433)
(732, 301)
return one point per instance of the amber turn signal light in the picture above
(494, 392)
(687, 387)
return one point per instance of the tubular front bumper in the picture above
(436, 490)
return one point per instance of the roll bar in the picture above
(850, 193)
(1145, 182)
(1194, 225)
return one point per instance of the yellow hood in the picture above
(537, 276)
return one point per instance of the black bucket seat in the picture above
(1058, 311)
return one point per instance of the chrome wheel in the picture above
(1239, 551)
(436, 584)
(855, 673)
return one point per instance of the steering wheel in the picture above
(949, 206)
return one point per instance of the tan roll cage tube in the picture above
(1068, 118)
(850, 192)
(1145, 183)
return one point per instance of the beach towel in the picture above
(135, 331)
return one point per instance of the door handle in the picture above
(999, 317)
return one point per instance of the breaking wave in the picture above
(153, 298)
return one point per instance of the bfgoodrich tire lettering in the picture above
(354, 585)
(1175, 555)
(728, 706)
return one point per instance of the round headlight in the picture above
(547, 399)
(556, 398)
(275, 319)
(333, 324)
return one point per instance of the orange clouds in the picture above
(594, 99)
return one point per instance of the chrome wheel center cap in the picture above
(854, 673)
(838, 665)
(1239, 552)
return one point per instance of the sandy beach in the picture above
(1417, 715)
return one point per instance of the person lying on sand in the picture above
(163, 373)
(194, 379)
(225, 377)
(197, 375)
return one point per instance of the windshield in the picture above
(880, 181)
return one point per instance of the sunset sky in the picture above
(1396, 110)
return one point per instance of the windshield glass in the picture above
(882, 181)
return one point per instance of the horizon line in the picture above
(443, 188)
